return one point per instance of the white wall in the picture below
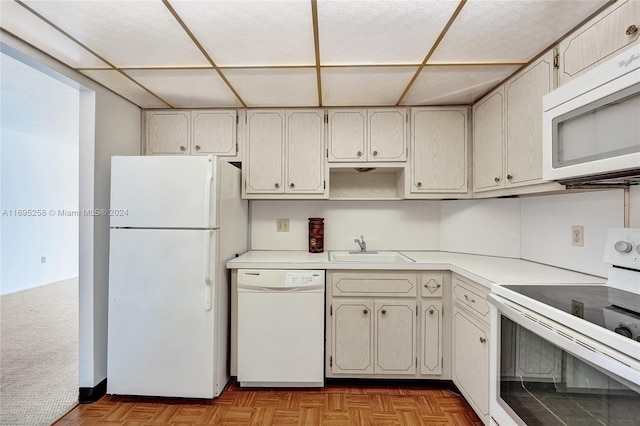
(389, 225)
(546, 228)
(39, 146)
(490, 227)
(108, 125)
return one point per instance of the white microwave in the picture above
(591, 125)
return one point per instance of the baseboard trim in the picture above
(91, 395)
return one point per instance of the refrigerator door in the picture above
(164, 192)
(161, 322)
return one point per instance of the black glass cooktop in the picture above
(584, 301)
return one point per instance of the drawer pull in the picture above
(483, 340)
(197, 147)
(468, 299)
(383, 312)
(496, 179)
(365, 312)
(437, 286)
(431, 312)
(632, 29)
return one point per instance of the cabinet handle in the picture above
(431, 312)
(277, 185)
(365, 312)
(482, 340)
(437, 286)
(467, 298)
(497, 179)
(419, 184)
(383, 312)
(632, 29)
(182, 148)
(359, 153)
(292, 185)
(509, 177)
(197, 147)
(375, 153)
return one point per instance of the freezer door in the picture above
(161, 321)
(164, 192)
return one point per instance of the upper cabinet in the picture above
(439, 151)
(523, 121)
(284, 154)
(609, 33)
(507, 134)
(197, 132)
(361, 135)
(488, 142)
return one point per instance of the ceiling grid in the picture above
(294, 53)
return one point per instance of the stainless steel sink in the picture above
(368, 257)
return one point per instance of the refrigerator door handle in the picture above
(208, 287)
(207, 194)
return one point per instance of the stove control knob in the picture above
(623, 246)
(624, 331)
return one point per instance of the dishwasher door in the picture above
(281, 328)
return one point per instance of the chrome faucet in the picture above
(361, 243)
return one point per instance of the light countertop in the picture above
(485, 270)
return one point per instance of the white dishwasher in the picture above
(280, 328)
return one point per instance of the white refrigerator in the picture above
(175, 222)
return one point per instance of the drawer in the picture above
(399, 284)
(431, 285)
(471, 296)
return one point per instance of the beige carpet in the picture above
(38, 353)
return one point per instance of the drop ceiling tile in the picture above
(447, 85)
(379, 32)
(187, 88)
(23, 24)
(125, 88)
(275, 87)
(125, 33)
(252, 33)
(364, 86)
(495, 31)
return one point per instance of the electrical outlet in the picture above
(43, 259)
(577, 236)
(282, 225)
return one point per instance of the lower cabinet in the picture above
(380, 325)
(471, 345)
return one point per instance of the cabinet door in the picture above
(213, 132)
(488, 142)
(265, 152)
(607, 35)
(395, 343)
(431, 337)
(471, 361)
(387, 134)
(305, 151)
(168, 132)
(524, 121)
(347, 135)
(352, 333)
(439, 146)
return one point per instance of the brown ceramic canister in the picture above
(316, 234)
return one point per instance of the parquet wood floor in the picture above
(333, 405)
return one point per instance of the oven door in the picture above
(542, 373)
